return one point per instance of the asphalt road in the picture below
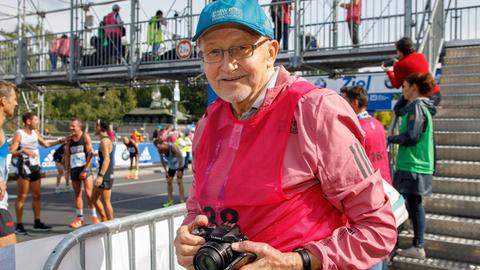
(128, 197)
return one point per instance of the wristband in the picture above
(305, 259)
(100, 174)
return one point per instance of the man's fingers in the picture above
(259, 249)
(200, 221)
(184, 237)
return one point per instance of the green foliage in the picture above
(89, 105)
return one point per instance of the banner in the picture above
(381, 95)
(148, 155)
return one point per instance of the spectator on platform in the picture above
(281, 17)
(280, 157)
(409, 61)
(354, 14)
(136, 136)
(114, 30)
(155, 36)
(53, 52)
(415, 160)
(60, 47)
(64, 51)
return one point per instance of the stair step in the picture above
(460, 124)
(457, 138)
(446, 247)
(460, 186)
(464, 153)
(464, 51)
(404, 263)
(460, 69)
(461, 78)
(464, 60)
(452, 226)
(455, 205)
(460, 100)
(457, 169)
(460, 88)
(451, 112)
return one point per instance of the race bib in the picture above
(78, 160)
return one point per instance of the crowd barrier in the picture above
(141, 241)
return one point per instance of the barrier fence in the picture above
(141, 241)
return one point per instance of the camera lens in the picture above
(206, 262)
(213, 256)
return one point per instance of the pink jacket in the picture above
(56, 43)
(64, 49)
(324, 150)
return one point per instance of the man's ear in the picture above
(272, 52)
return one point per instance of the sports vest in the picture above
(78, 154)
(417, 158)
(30, 141)
(375, 145)
(239, 176)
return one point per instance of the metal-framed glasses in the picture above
(236, 52)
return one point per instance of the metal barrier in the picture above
(462, 23)
(107, 230)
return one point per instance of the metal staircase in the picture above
(452, 239)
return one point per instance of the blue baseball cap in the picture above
(244, 12)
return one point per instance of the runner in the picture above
(104, 180)
(58, 158)
(78, 157)
(8, 102)
(174, 159)
(25, 148)
(134, 154)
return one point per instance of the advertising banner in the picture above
(148, 155)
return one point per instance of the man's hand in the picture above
(98, 181)
(187, 244)
(268, 257)
(3, 189)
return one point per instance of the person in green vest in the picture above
(155, 36)
(416, 158)
(102, 45)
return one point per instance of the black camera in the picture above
(217, 252)
(388, 63)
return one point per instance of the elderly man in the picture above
(279, 157)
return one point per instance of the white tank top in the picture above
(30, 141)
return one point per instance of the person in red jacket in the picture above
(409, 62)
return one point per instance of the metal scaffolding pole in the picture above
(72, 50)
(408, 18)
(334, 24)
(133, 40)
(297, 61)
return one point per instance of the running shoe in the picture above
(412, 252)
(41, 227)
(168, 203)
(95, 220)
(58, 190)
(68, 189)
(77, 223)
(20, 230)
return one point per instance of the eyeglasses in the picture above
(236, 52)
